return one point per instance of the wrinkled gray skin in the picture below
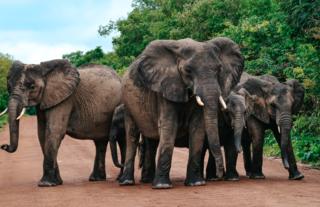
(159, 95)
(68, 101)
(269, 105)
(229, 138)
(117, 135)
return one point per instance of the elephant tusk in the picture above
(21, 114)
(279, 130)
(4, 111)
(224, 105)
(199, 101)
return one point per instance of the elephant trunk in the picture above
(114, 152)
(239, 123)
(211, 100)
(285, 123)
(14, 110)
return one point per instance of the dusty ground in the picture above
(20, 172)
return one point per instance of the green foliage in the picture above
(5, 64)
(97, 56)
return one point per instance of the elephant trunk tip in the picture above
(8, 148)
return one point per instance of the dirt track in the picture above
(20, 172)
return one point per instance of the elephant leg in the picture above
(99, 169)
(55, 130)
(168, 125)
(196, 141)
(257, 134)
(246, 146)
(132, 139)
(122, 145)
(211, 170)
(294, 173)
(41, 121)
(203, 155)
(51, 174)
(231, 156)
(149, 160)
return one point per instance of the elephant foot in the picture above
(126, 180)
(213, 178)
(119, 176)
(296, 176)
(248, 174)
(257, 176)
(97, 176)
(194, 182)
(146, 180)
(45, 182)
(147, 176)
(161, 183)
(232, 176)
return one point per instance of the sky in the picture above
(38, 30)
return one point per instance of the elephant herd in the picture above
(177, 93)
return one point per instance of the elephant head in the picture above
(277, 102)
(181, 70)
(46, 84)
(236, 115)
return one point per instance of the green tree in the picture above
(5, 64)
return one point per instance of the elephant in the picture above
(269, 105)
(230, 137)
(118, 135)
(79, 103)
(173, 90)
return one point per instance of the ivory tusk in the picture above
(224, 105)
(199, 101)
(279, 130)
(4, 111)
(21, 114)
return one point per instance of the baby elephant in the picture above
(118, 135)
(79, 103)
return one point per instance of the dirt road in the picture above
(20, 172)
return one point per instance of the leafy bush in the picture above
(5, 64)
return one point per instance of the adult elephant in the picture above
(270, 105)
(160, 92)
(68, 101)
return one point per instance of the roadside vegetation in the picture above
(277, 37)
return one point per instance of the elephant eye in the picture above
(188, 69)
(30, 86)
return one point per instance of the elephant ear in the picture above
(298, 94)
(232, 62)
(157, 69)
(61, 81)
(255, 92)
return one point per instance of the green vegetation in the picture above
(278, 37)
(5, 64)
